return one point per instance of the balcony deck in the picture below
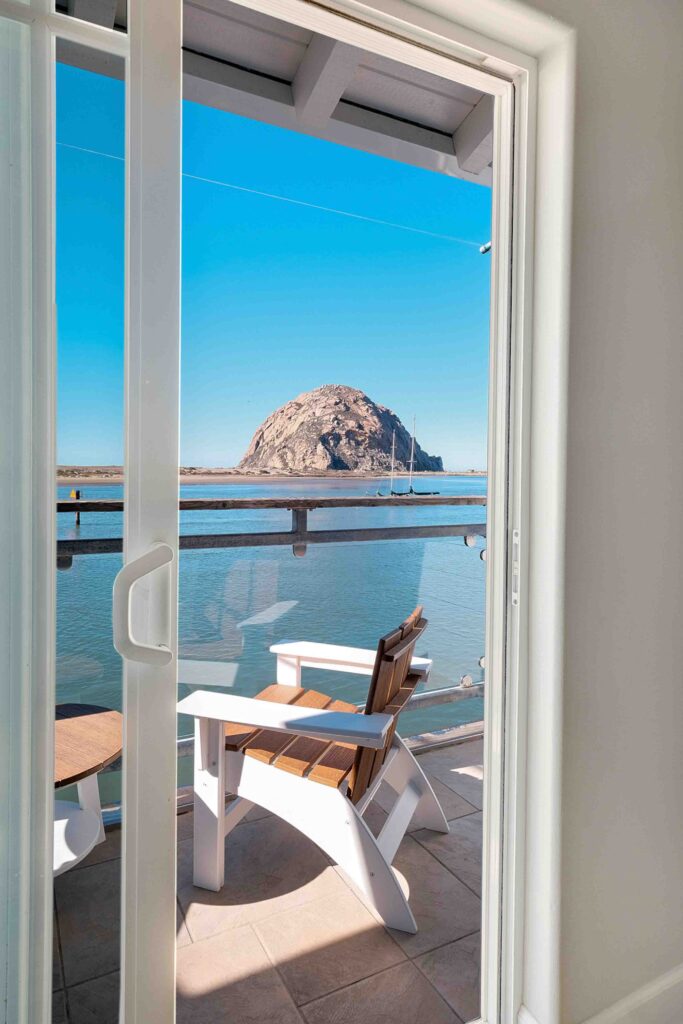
(287, 941)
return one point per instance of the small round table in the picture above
(87, 739)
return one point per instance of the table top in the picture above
(87, 739)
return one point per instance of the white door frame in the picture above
(152, 395)
(496, 36)
(152, 53)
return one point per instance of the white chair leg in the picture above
(89, 799)
(355, 850)
(405, 770)
(288, 671)
(209, 804)
(331, 821)
(235, 811)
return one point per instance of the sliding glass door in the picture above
(105, 241)
(335, 290)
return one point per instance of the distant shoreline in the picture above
(73, 476)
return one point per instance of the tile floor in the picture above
(288, 941)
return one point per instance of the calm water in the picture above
(235, 604)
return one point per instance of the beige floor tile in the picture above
(88, 910)
(460, 851)
(182, 936)
(374, 818)
(455, 971)
(453, 804)
(400, 995)
(95, 1002)
(269, 868)
(443, 907)
(458, 755)
(58, 1008)
(228, 979)
(110, 849)
(256, 813)
(458, 768)
(186, 821)
(184, 824)
(57, 976)
(326, 944)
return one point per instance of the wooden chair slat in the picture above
(375, 758)
(237, 735)
(303, 753)
(400, 700)
(385, 681)
(407, 643)
(389, 680)
(401, 670)
(334, 765)
(268, 743)
(411, 621)
(387, 642)
(359, 778)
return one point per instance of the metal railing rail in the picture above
(299, 536)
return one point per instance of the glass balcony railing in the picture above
(241, 590)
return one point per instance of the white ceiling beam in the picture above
(398, 140)
(394, 129)
(246, 93)
(473, 139)
(98, 12)
(324, 73)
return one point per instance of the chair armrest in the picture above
(292, 657)
(342, 726)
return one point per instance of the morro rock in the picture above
(333, 428)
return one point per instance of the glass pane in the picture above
(333, 450)
(90, 198)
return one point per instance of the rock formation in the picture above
(333, 428)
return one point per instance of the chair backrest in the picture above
(391, 686)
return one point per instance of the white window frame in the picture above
(535, 53)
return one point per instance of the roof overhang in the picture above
(257, 66)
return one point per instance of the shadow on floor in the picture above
(288, 939)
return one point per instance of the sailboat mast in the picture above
(393, 458)
(412, 456)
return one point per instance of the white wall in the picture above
(622, 910)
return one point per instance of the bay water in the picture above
(235, 603)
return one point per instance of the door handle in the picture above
(124, 642)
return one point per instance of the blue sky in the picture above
(278, 297)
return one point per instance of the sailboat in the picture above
(393, 463)
(411, 466)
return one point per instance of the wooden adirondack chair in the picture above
(317, 763)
